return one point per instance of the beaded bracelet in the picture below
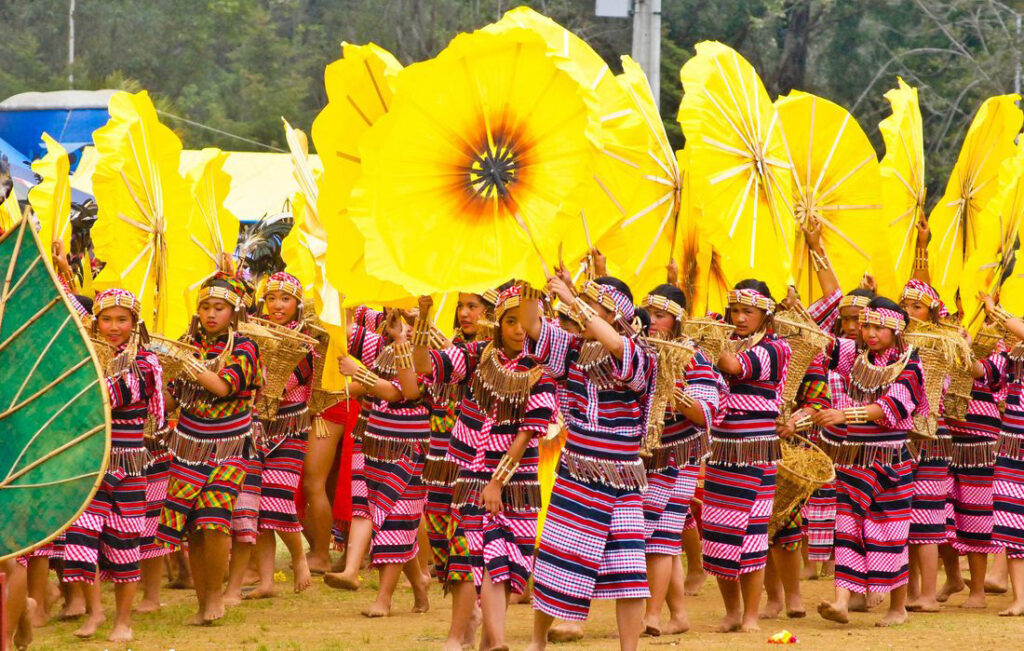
(1000, 315)
(819, 261)
(421, 332)
(506, 468)
(856, 415)
(403, 355)
(921, 260)
(582, 312)
(366, 377)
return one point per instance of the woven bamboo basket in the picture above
(673, 358)
(104, 352)
(807, 341)
(278, 364)
(172, 354)
(940, 350)
(710, 336)
(804, 468)
(983, 343)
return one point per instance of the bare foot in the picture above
(213, 612)
(196, 620)
(750, 627)
(303, 577)
(948, 590)
(892, 618)
(341, 581)
(730, 623)
(452, 645)
(809, 572)
(828, 568)
(232, 598)
(833, 613)
(90, 625)
(72, 610)
(378, 609)
(319, 564)
(974, 601)
(524, 599)
(676, 626)
(772, 609)
(796, 612)
(259, 592)
(994, 586)
(421, 597)
(1015, 610)
(652, 626)
(146, 606)
(693, 582)
(120, 633)
(924, 606)
(181, 583)
(565, 632)
(23, 633)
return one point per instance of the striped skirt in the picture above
(873, 525)
(971, 498)
(360, 501)
(438, 517)
(929, 504)
(282, 471)
(1008, 491)
(819, 523)
(158, 474)
(245, 516)
(592, 547)
(199, 496)
(396, 497)
(666, 505)
(104, 541)
(737, 506)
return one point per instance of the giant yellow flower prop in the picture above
(903, 183)
(143, 210)
(10, 213)
(462, 186)
(956, 220)
(359, 90)
(995, 257)
(51, 197)
(837, 183)
(738, 165)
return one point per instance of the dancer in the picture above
(104, 542)
(592, 546)
(739, 484)
(508, 405)
(673, 467)
(208, 443)
(874, 468)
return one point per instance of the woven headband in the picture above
(883, 317)
(610, 299)
(854, 301)
(222, 293)
(507, 300)
(752, 298)
(490, 296)
(116, 298)
(665, 304)
(911, 294)
(282, 282)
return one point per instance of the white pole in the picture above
(647, 41)
(71, 43)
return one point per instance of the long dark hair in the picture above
(672, 293)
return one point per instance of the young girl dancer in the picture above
(209, 442)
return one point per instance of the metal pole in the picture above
(647, 41)
(71, 43)
(1016, 56)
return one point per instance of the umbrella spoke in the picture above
(647, 209)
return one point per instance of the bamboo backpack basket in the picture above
(803, 469)
(172, 354)
(807, 341)
(288, 349)
(711, 336)
(673, 358)
(54, 407)
(942, 351)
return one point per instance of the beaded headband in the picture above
(911, 294)
(610, 299)
(116, 298)
(883, 317)
(222, 293)
(665, 304)
(751, 298)
(490, 296)
(283, 282)
(854, 301)
(507, 300)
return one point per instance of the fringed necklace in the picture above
(192, 392)
(868, 381)
(595, 360)
(115, 363)
(500, 390)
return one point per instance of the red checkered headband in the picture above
(116, 297)
(507, 300)
(752, 298)
(917, 290)
(610, 299)
(884, 318)
(286, 283)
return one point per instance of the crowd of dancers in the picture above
(539, 453)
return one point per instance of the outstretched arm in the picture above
(596, 327)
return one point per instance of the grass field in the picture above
(328, 620)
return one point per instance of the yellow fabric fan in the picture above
(837, 183)
(738, 165)
(956, 220)
(486, 165)
(295, 250)
(359, 90)
(51, 197)
(212, 228)
(699, 265)
(989, 265)
(10, 213)
(143, 208)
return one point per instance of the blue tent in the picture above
(69, 116)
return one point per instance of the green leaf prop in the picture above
(54, 409)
